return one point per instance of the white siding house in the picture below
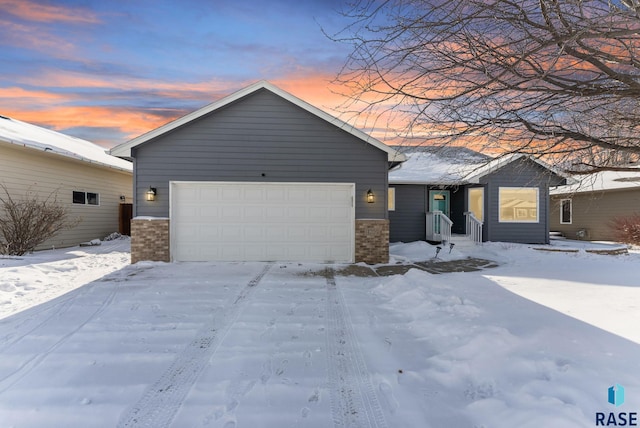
(89, 182)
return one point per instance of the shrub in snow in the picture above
(113, 236)
(28, 222)
(627, 229)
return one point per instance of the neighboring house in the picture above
(585, 210)
(90, 183)
(439, 191)
(259, 175)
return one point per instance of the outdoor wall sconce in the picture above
(371, 198)
(151, 194)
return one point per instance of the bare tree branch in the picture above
(553, 78)
(27, 222)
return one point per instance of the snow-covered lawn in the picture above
(286, 345)
(36, 278)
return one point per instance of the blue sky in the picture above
(109, 71)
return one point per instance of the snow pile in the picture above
(420, 251)
(482, 357)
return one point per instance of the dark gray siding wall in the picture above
(407, 221)
(522, 173)
(261, 138)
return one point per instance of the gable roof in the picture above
(497, 163)
(24, 134)
(124, 150)
(436, 165)
(602, 181)
(453, 166)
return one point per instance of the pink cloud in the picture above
(52, 109)
(33, 11)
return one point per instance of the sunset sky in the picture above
(108, 71)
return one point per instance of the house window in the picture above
(93, 199)
(566, 211)
(86, 198)
(476, 202)
(78, 198)
(391, 198)
(518, 204)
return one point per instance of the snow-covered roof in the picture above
(452, 166)
(124, 150)
(602, 181)
(24, 134)
(432, 167)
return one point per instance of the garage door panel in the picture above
(207, 232)
(229, 194)
(230, 213)
(295, 233)
(205, 211)
(252, 214)
(262, 221)
(276, 194)
(296, 194)
(276, 213)
(255, 234)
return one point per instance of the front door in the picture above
(439, 201)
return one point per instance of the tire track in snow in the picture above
(34, 361)
(354, 402)
(26, 322)
(161, 401)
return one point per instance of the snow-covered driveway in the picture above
(196, 344)
(288, 345)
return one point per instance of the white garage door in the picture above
(216, 221)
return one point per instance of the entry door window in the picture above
(476, 202)
(439, 201)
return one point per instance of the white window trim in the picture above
(86, 198)
(391, 197)
(570, 211)
(515, 221)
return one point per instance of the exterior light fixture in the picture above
(371, 198)
(151, 194)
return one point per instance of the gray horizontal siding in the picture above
(522, 173)
(407, 221)
(261, 138)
